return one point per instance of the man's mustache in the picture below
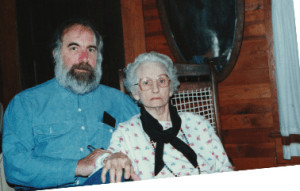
(83, 66)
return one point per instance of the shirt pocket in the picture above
(53, 139)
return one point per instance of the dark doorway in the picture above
(37, 21)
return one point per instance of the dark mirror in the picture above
(204, 31)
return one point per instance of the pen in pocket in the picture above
(91, 148)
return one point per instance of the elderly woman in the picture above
(160, 142)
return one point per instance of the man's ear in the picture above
(53, 53)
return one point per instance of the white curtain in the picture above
(287, 71)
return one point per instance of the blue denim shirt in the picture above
(47, 129)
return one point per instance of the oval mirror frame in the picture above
(227, 66)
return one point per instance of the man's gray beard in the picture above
(79, 83)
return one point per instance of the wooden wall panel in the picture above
(133, 29)
(254, 163)
(253, 55)
(244, 91)
(246, 106)
(249, 85)
(247, 151)
(155, 39)
(247, 121)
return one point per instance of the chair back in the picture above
(197, 92)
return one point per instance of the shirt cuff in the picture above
(67, 172)
(99, 162)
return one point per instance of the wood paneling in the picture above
(246, 106)
(248, 89)
(254, 162)
(244, 91)
(251, 151)
(133, 29)
(247, 121)
(155, 39)
(247, 136)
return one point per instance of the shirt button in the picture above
(81, 149)
(83, 128)
(111, 130)
(79, 109)
(77, 182)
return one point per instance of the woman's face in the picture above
(154, 96)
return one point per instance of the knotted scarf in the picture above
(156, 133)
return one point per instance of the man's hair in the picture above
(57, 38)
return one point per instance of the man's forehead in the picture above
(76, 29)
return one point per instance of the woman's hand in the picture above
(86, 165)
(115, 163)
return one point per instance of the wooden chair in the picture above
(197, 92)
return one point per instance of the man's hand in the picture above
(86, 165)
(115, 163)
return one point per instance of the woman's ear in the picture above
(135, 94)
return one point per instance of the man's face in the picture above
(76, 65)
(79, 49)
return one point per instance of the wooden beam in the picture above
(133, 29)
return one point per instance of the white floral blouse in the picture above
(131, 139)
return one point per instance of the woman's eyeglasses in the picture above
(147, 83)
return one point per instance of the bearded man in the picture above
(49, 129)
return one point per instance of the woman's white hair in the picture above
(131, 70)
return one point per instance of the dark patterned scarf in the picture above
(156, 133)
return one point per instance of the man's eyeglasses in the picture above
(147, 83)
